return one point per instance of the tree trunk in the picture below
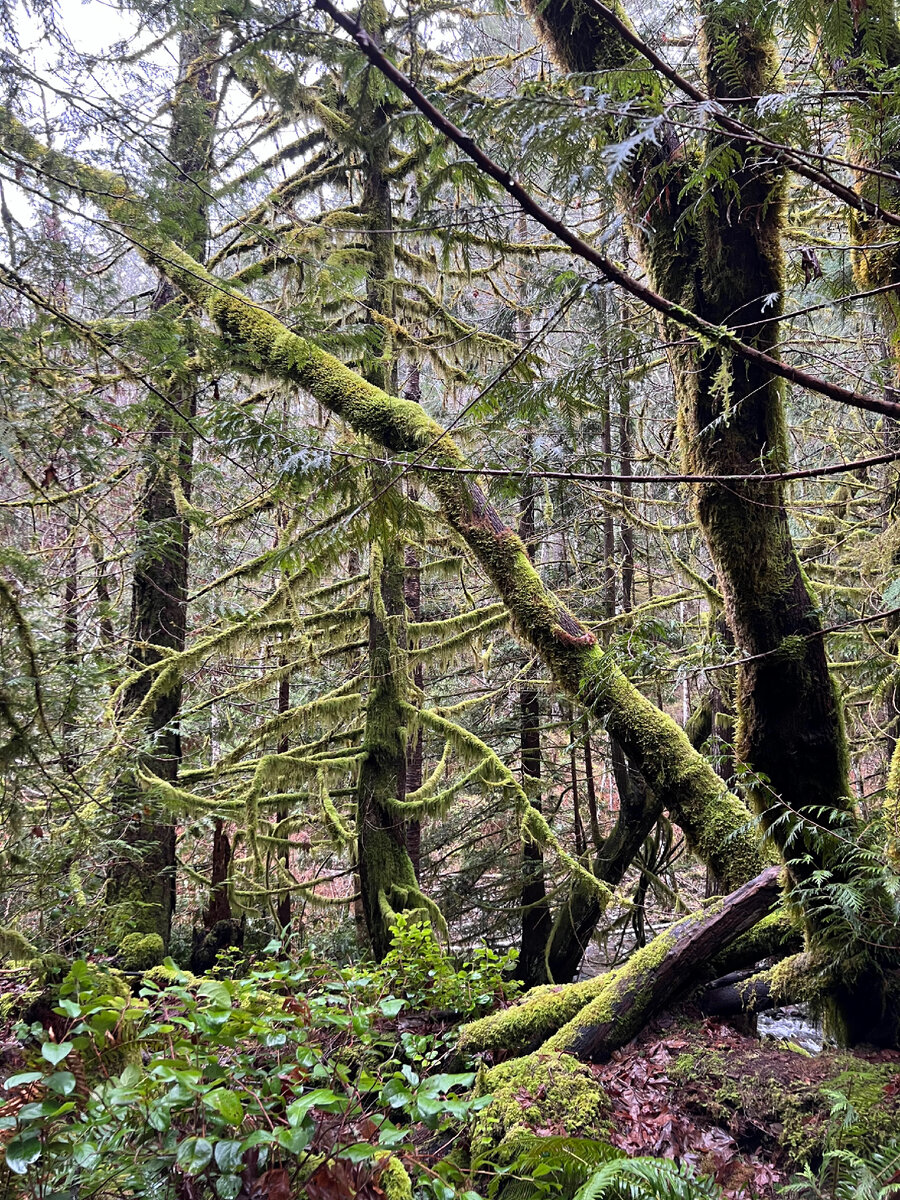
(722, 259)
(412, 588)
(387, 871)
(536, 919)
(141, 879)
(639, 810)
(387, 877)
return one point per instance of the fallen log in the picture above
(550, 1017)
(736, 994)
(664, 969)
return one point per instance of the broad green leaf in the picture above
(360, 1152)
(21, 1152)
(294, 1140)
(322, 1098)
(227, 1104)
(86, 1154)
(194, 1155)
(229, 1156)
(61, 1082)
(55, 1053)
(216, 993)
(23, 1077)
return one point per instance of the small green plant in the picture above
(571, 1168)
(844, 1174)
(420, 968)
(647, 1179)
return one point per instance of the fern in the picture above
(552, 1166)
(650, 1178)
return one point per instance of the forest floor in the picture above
(744, 1110)
(747, 1111)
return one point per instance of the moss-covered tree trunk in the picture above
(387, 872)
(717, 251)
(141, 877)
(594, 1017)
(536, 919)
(415, 755)
(870, 66)
(725, 263)
(790, 730)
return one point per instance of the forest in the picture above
(450, 599)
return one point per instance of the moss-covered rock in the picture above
(140, 951)
(536, 1096)
(14, 946)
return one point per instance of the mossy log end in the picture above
(591, 1019)
(808, 978)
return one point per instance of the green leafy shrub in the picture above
(289, 1070)
(419, 967)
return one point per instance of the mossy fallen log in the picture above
(662, 970)
(591, 1019)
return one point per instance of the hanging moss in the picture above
(261, 343)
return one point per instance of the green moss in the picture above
(531, 1097)
(140, 951)
(525, 1025)
(15, 946)
(165, 977)
(623, 998)
(774, 936)
(797, 1103)
(394, 1180)
(38, 981)
(683, 1065)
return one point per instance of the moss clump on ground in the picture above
(394, 1180)
(164, 977)
(141, 951)
(537, 1096)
